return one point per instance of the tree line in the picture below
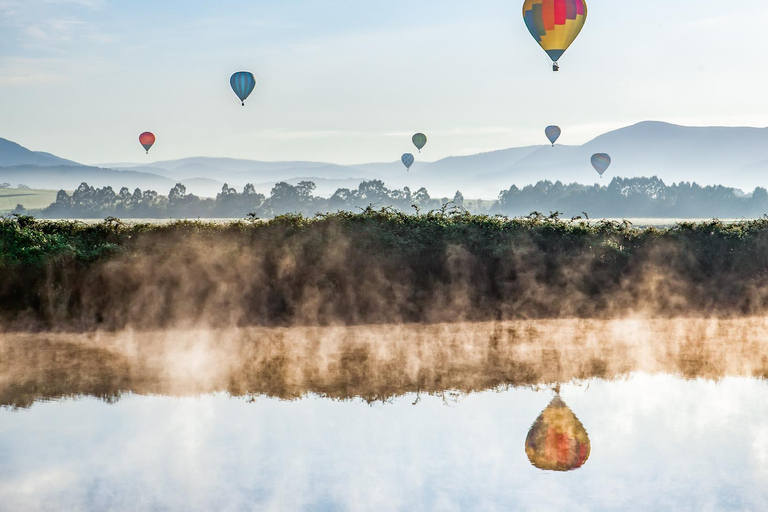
(89, 202)
(633, 197)
(622, 197)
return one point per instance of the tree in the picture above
(421, 197)
(177, 194)
(458, 199)
(305, 189)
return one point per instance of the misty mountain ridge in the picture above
(731, 156)
(12, 154)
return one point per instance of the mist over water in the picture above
(303, 366)
(382, 267)
(375, 363)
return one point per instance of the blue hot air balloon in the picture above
(242, 83)
(553, 133)
(601, 162)
(408, 160)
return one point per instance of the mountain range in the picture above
(730, 156)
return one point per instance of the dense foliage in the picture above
(371, 267)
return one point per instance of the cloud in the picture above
(93, 4)
(49, 25)
(58, 31)
(27, 71)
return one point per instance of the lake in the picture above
(645, 415)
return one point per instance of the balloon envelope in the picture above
(557, 440)
(601, 162)
(242, 83)
(553, 133)
(147, 140)
(407, 160)
(554, 24)
(419, 140)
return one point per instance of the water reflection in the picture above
(557, 440)
(659, 443)
(375, 363)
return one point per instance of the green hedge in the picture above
(370, 267)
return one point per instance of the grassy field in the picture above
(31, 199)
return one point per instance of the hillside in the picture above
(68, 177)
(12, 154)
(730, 156)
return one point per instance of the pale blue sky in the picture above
(350, 81)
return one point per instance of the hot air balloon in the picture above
(601, 162)
(553, 133)
(554, 24)
(419, 140)
(557, 440)
(242, 83)
(147, 139)
(407, 160)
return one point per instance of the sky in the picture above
(350, 81)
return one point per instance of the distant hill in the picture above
(12, 154)
(237, 173)
(68, 177)
(731, 156)
(736, 157)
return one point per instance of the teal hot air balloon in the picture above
(419, 140)
(242, 83)
(408, 160)
(601, 162)
(553, 133)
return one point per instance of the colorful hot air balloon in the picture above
(419, 140)
(147, 139)
(553, 133)
(601, 162)
(554, 24)
(242, 83)
(557, 440)
(407, 160)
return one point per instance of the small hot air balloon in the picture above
(557, 440)
(242, 83)
(553, 133)
(554, 24)
(407, 160)
(419, 140)
(601, 162)
(147, 139)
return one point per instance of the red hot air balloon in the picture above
(557, 440)
(147, 139)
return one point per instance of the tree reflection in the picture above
(557, 440)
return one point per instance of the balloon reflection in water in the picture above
(557, 440)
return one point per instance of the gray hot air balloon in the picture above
(419, 140)
(601, 162)
(553, 133)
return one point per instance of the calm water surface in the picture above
(657, 443)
